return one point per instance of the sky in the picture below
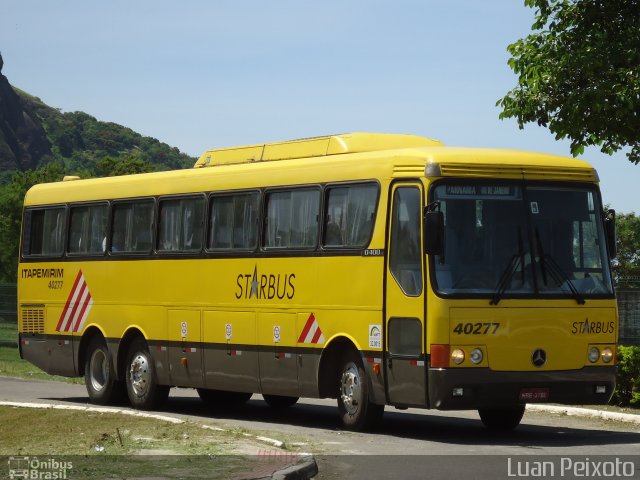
(211, 74)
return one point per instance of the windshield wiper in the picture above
(556, 271)
(512, 267)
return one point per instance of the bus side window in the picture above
(44, 232)
(132, 227)
(87, 229)
(180, 224)
(292, 218)
(233, 222)
(349, 215)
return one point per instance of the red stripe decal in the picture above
(66, 307)
(306, 328)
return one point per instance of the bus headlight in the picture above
(607, 355)
(457, 356)
(476, 356)
(594, 354)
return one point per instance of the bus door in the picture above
(405, 369)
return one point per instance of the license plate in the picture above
(534, 394)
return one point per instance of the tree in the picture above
(124, 165)
(626, 266)
(579, 74)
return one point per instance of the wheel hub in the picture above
(139, 374)
(351, 389)
(99, 370)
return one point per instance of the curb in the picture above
(305, 466)
(585, 412)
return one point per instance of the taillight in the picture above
(440, 355)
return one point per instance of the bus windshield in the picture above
(520, 240)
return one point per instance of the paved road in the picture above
(399, 444)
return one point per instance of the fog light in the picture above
(594, 354)
(457, 356)
(607, 355)
(476, 356)
(458, 392)
(601, 389)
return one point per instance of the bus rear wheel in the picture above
(502, 419)
(142, 385)
(280, 401)
(223, 398)
(99, 375)
(357, 412)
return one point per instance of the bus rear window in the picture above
(44, 232)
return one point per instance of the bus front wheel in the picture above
(502, 419)
(357, 412)
(142, 385)
(99, 378)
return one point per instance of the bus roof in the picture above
(387, 157)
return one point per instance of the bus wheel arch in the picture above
(329, 367)
(88, 336)
(341, 375)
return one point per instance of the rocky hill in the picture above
(33, 134)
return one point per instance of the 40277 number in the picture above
(56, 284)
(478, 328)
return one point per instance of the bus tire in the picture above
(357, 412)
(280, 401)
(503, 419)
(142, 384)
(99, 375)
(223, 398)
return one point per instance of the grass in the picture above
(9, 332)
(104, 444)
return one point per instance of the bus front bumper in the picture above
(473, 388)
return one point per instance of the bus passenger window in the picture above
(180, 225)
(87, 229)
(349, 215)
(292, 219)
(44, 232)
(132, 227)
(234, 221)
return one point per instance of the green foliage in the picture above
(627, 391)
(626, 266)
(579, 74)
(110, 166)
(81, 141)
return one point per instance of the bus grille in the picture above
(32, 320)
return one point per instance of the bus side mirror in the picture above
(434, 233)
(610, 233)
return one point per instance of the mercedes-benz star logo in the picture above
(539, 357)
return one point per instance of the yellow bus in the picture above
(376, 269)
